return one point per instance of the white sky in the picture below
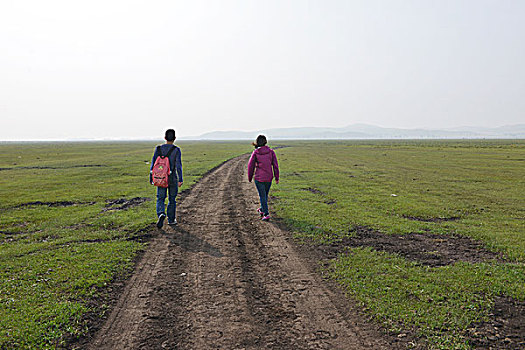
(129, 69)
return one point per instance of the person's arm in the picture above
(178, 166)
(251, 167)
(155, 155)
(275, 166)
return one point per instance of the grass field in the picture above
(63, 233)
(468, 188)
(72, 217)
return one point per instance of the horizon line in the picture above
(365, 137)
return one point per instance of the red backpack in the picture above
(161, 169)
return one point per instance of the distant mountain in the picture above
(365, 131)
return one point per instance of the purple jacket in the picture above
(263, 160)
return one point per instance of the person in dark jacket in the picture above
(175, 179)
(262, 167)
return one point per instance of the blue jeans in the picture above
(263, 188)
(173, 189)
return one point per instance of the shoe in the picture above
(160, 221)
(259, 210)
(173, 223)
(266, 217)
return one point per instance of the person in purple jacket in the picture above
(264, 163)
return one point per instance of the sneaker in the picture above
(160, 221)
(173, 223)
(259, 210)
(266, 217)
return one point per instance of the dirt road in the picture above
(223, 279)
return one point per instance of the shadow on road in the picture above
(192, 243)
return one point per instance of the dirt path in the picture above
(223, 279)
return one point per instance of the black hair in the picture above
(169, 135)
(260, 141)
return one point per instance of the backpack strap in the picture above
(169, 152)
(172, 166)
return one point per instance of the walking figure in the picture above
(171, 153)
(263, 162)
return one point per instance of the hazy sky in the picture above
(129, 69)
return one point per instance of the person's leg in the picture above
(172, 203)
(161, 198)
(263, 196)
(267, 186)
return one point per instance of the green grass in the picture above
(54, 259)
(440, 302)
(329, 188)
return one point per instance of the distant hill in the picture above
(365, 131)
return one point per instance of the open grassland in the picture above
(72, 216)
(342, 194)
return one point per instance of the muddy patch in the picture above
(54, 167)
(12, 233)
(504, 330)
(438, 219)
(10, 237)
(313, 190)
(427, 249)
(53, 204)
(295, 174)
(123, 203)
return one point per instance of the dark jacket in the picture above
(175, 161)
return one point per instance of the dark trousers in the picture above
(263, 188)
(162, 192)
